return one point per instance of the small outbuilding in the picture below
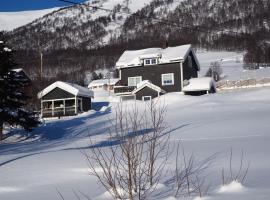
(106, 84)
(200, 86)
(64, 99)
(147, 91)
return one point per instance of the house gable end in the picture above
(57, 93)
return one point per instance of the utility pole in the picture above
(41, 66)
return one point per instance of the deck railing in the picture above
(123, 89)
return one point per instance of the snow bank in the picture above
(232, 187)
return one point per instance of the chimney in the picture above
(165, 44)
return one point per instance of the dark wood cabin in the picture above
(64, 99)
(167, 68)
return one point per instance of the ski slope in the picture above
(50, 159)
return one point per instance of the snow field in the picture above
(205, 125)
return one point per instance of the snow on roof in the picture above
(147, 83)
(102, 82)
(17, 70)
(168, 55)
(199, 84)
(74, 89)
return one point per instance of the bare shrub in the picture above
(239, 174)
(214, 71)
(132, 168)
(188, 174)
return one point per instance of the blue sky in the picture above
(20, 5)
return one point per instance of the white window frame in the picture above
(162, 79)
(151, 61)
(129, 82)
(143, 98)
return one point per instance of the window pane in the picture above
(167, 79)
(147, 62)
(133, 81)
(154, 61)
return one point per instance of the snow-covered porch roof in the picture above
(74, 89)
(101, 82)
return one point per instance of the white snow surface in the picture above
(234, 186)
(167, 55)
(12, 20)
(72, 88)
(50, 157)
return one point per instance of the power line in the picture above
(164, 21)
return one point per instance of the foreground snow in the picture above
(50, 158)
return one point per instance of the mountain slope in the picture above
(12, 20)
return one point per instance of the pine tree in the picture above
(12, 97)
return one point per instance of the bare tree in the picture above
(188, 174)
(241, 171)
(132, 168)
(214, 71)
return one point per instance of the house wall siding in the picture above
(190, 72)
(146, 91)
(57, 93)
(153, 73)
(86, 104)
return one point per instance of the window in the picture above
(152, 61)
(146, 98)
(167, 79)
(134, 81)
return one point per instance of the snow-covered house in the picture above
(166, 69)
(106, 84)
(64, 99)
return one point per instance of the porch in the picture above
(61, 107)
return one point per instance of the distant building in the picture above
(165, 69)
(106, 84)
(64, 99)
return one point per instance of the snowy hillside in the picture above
(49, 159)
(102, 22)
(12, 20)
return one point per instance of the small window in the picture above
(147, 62)
(146, 98)
(167, 79)
(152, 61)
(134, 81)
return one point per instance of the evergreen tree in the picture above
(12, 97)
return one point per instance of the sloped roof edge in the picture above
(74, 89)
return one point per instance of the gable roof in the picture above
(147, 83)
(168, 55)
(71, 88)
(102, 82)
